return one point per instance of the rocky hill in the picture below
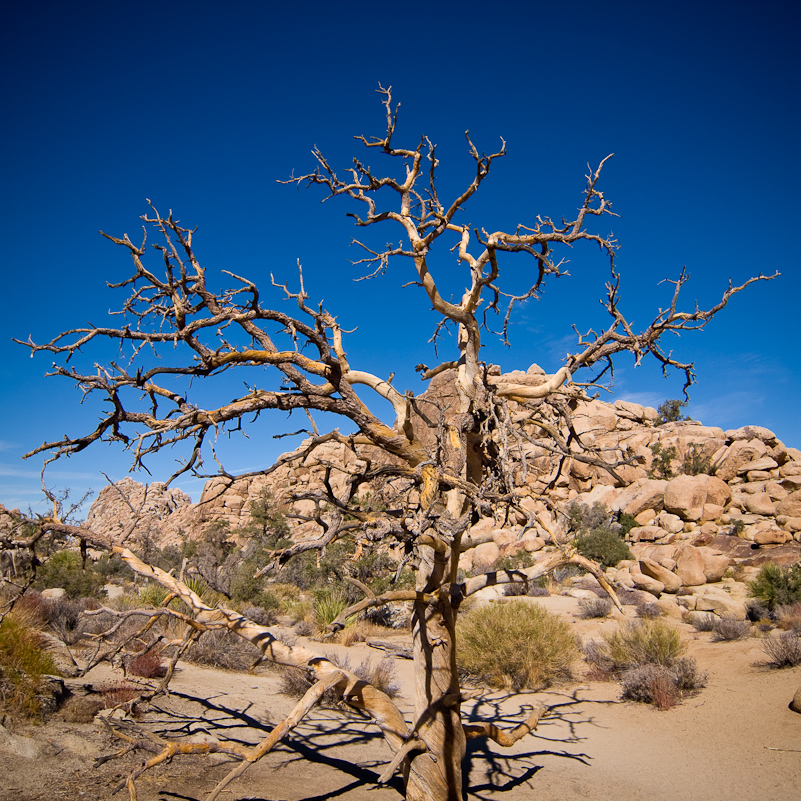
(704, 499)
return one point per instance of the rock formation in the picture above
(743, 510)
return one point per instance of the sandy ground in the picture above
(736, 740)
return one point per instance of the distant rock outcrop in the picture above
(742, 509)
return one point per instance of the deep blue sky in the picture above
(201, 106)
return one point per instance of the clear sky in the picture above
(202, 106)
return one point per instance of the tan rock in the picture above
(760, 504)
(685, 496)
(670, 608)
(740, 452)
(646, 517)
(795, 704)
(486, 554)
(646, 583)
(690, 566)
(646, 533)
(670, 580)
(721, 603)
(715, 563)
(773, 536)
(791, 505)
(646, 494)
(671, 523)
(764, 463)
(712, 511)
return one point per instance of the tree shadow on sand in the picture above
(494, 771)
(323, 740)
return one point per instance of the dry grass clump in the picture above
(147, 665)
(727, 629)
(646, 656)
(788, 617)
(649, 610)
(220, 648)
(783, 651)
(703, 622)
(295, 681)
(595, 608)
(24, 662)
(515, 645)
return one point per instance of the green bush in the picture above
(65, 569)
(670, 411)
(517, 644)
(776, 586)
(644, 642)
(603, 545)
(23, 662)
(662, 463)
(696, 461)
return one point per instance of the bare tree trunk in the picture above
(436, 774)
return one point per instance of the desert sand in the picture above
(737, 739)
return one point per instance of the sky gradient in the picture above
(202, 108)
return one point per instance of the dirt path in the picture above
(736, 740)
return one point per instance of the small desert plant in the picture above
(66, 570)
(669, 411)
(729, 628)
(650, 610)
(696, 461)
(147, 665)
(737, 528)
(662, 462)
(776, 586)
(636, 643)
(597, 657)
(703, 622)
(789, 617)
(516, 644)
(661, 685)
(118, 693)
(326, 607)
(603, 545)
(595, 607)
(220, 648)
(152, 594)
(23, 663)
(784, 650)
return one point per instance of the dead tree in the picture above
(461, 470)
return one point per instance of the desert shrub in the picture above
(305, 628)
(728, 628)
(789, 617)
(118, 693)
(641, 642)
(80, 709)
(595, 608)
(152, 594)
(662, 462)
(64, 617)
(516, 644)
(776, 586)
(649, 610)
(221, 648)
(327, 605)
(650, 684)
(148, 665)
(65, 569)
(696, 461)
(703, 622)
(737, 528)
(669, 411)
(647, 656)
(661, 685)
(603, 545)
(515, 589)
(23, 663)
(784, 650)
(597, 657)
(259, 615)
(583, 518)
(538, 591)
(295, 682)
(627, 523)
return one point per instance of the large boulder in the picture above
(670, 580)
(790, 506)
(717, 600)
(690, 566)
(686, 496)
(648, 493)
(739, 453)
